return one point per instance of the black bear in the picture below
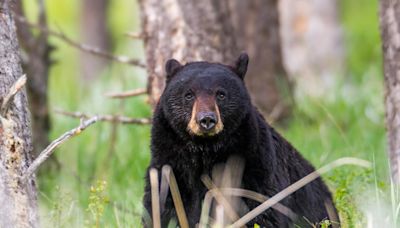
(203, 117)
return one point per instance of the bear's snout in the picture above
(207, 120)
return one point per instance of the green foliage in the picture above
(61, 202)
(361, 27)
(97, 202)
(347, 184)
(325, 224)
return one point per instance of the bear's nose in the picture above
(207, 120)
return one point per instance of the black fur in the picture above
(271, 163)
(171, 67)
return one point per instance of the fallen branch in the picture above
(296, 186)
(107, 118)
(45, 154)
(15, 88)
(130, 93)
(83, 47)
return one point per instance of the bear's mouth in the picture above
(195, 129)
(203, 134)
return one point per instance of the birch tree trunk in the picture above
(312, 42)
(94, 32)
(257, 31)
(390, 34)
(17, 198)
(186, 30)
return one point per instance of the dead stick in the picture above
(15, 88)
(164, 188)
(176, 197)
(130, 93)
(45, 154)
(135, 35)
(83, 47)
(155, 198)
(107, 118)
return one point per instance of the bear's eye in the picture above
(189, 96)
(221, 95)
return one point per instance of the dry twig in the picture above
(164, 187)
(107, 118)
(45, 154)
(130, 93)
(155, 198)
(176, 197)
(15, 88)
(135, 35)
(83, 47)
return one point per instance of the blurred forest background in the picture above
(100, 178)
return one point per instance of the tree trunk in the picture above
(94, 32)
(312, 42)
(256, 24)
(390, 34)
(186, 30)
(17, 198)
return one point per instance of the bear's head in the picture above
(203, 99)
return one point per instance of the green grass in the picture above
(348, 121)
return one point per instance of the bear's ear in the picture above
(241, 65)
(172, 66)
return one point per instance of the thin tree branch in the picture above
(15, 88)
(107, 118)
(130, 93)
(83, 47)
(45, 154)
(136, 35)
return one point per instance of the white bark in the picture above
(390, 33)
(312, 44)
